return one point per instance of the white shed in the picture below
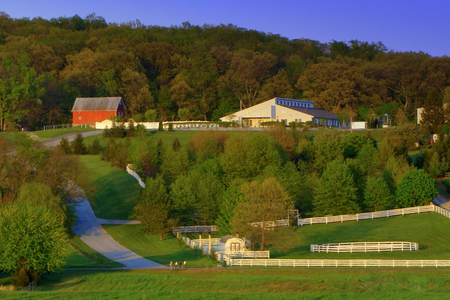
(231, 243)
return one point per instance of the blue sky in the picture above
(414, 25)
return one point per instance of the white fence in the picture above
(365, 247)
(197, 244)
(135, 175)
(194, 229)
(339, 263)
(442, 211)
(271, 224)
(368, 216)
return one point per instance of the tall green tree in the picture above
(377, 193)
(33, 240)
(20, 87)
(336, 191)
(154, 208)
(265, 202)
(416, 188)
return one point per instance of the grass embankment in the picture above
(52, 133)
(149, 246)
(167, 137)
(116, 192)
(244, 284)
(430, 230)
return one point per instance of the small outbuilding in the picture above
(91, 110)
(231, 243)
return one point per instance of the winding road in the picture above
(88, 226)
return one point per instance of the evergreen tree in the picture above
(65, 145)
(154, 208)
(231, 198)
(78, 145)
(377, 193)
(436, 166)
(95, 148)
(176, 144)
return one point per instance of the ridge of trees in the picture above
(201, 72)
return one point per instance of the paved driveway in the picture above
(89, 228)
(70, 137)
(92, 234)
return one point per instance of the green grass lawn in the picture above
(243, 284)
(430, 230)
(52, 133)
(82, 256)
(184, 136)
(149, 246)
(116, 193)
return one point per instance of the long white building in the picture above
(281, 109)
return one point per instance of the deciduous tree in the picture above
(33, 240)
(265, 202)
(416, 188)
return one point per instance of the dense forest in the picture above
(205, 71)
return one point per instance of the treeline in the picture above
(203, 71)
(233, 179)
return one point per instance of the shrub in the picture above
(150, 115)
(311, 124)
(65, 145)
(170, 127)
(141, 131)
(160, 126)
(95, 148)
(138, 117)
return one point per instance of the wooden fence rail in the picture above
(339, 263)
(365, 247)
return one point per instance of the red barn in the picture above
(91, 110)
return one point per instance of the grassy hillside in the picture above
(116, 192)
(430, 230)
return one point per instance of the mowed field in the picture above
(243, 284)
